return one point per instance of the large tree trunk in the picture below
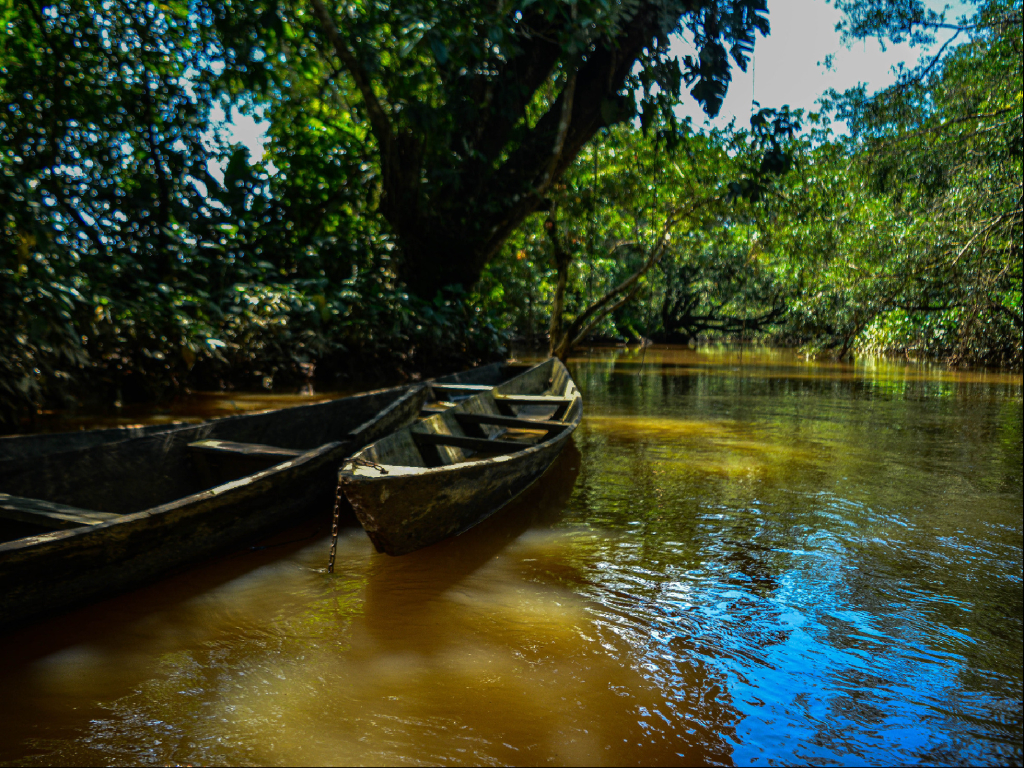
(453, 210)
(432, 261)
(562, 259)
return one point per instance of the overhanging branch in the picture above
(378, 118)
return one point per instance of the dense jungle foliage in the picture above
(443, 178)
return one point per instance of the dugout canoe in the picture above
(80, 525)
(445, 473)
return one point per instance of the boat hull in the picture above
(48, 573)
(407, 513)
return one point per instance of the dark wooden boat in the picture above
(444, 474)
(18, 447)
(78, 525)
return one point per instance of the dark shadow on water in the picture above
(402, 589)
(99, 624)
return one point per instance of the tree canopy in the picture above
(389, 224)
(475, 109)
(941, 153)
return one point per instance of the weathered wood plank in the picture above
(22, 447)
(219, 447)
(471, 443)
(220, 461)
(461, 387)
(396, 415)
(48, 514)
(505, 403)
(509, 422)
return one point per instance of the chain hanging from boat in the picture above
(337, 507)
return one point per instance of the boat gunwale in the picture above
(181, 424)
(412, 390)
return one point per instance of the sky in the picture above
(788, 68)
(788, 65)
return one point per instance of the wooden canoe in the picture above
(79, 525)
(450, 471)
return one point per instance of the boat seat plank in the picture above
(510, 422)
(255, 450)
(533, 399)
(461, 387)
(49, 514)
(220, 461)
(430, 410)
(483, 445)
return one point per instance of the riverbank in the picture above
(224, 396)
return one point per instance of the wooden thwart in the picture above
(533, 399)
(480, 444)
(220, 461)
(460, 387)
(48, 514)
(510, 422)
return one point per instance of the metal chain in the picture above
(337, 506)
(334, 530)
(365, 463)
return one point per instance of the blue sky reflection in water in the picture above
(838, 550)
(744, 560)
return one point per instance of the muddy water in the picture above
(743, 559)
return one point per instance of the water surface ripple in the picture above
(744, 559)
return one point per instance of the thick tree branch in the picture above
(378, 118)
(563, 129)
(506, 96)
(611, 301)
(562, 259)
(597, 84)
(1015, 317)
(572, 339)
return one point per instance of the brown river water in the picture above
(744, 559)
